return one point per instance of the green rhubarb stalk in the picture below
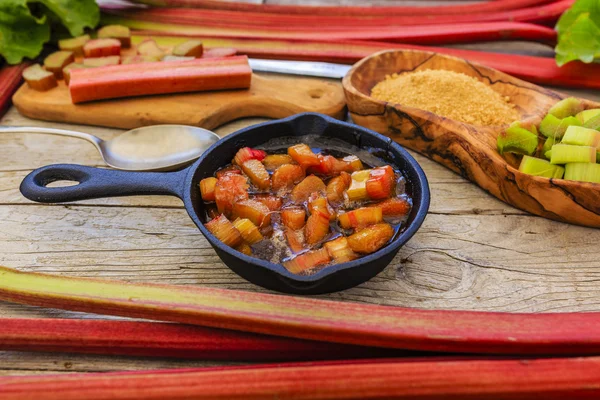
(310, 318)
(580, 136)
(583, 172)
(554, 127)
(538, 167)
(517, 140)
(566, 153)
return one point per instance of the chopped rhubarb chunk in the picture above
(371, 239)
(360, 217)
(304, 156)
(190, 48)
(381, 183)
(231, 169)
(248, 230)
(358, 186)
(394, 207)
(317, 202)
(340, 250)
(295, 239)
(38, 78)
(311, 184)
(254, 210)
(139, 59)
(256, 171)
(274, 161)
(355, 163)
(229, 189)
(286, 176)
(246, 153)
(68, 68)
(224, 230)
(293, 218)
(56, 61)
(308, 260)
(101, 61)
(119, 32)
(207, 188)
(218, 52)
(74, 44)
(244, 248)
(272, 202)
(149, 48)
(102, 48)
(337, 186)
(317, 227)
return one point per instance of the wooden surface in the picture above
(266, 97)
(472, 252)
(467, 149)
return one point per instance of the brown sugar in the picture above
(449, 94)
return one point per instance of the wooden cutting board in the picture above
(272, 97)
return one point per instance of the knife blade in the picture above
(307, 68)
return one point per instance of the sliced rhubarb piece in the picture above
(274, 161)
(229, 189)
(381, 183)
(517, 140)
(293, 218)
(303, 155)
(581, 136)
(566, 153)
(102, 61)
(308, 260)
(219, 52)
(286, 176)
(224, 230)
(337, 186)
(119, 32)
(360, 217)
(254, 210)
(248, 230)
(583, 172)
(256, 171)
(149, 48)
(190, 48)
(74, 44)
(317, 227)
(340, 250)
(244, 248)
(538, 167)
(139, 59)
(318, 202)
(56, 61)
(568, 107)
(325, 167)
(38, 78)
(230, 169)
(358, 185)
(354, 162)
(371, 238)
(169, 58)
(295, 240)
(102, 48)
(247, 153)
(207, 188)
(394, 207)
(159, 78)
(272, 202)
(309, 185)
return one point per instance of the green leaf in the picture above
(579, 33)
(591, 7)
(75, 15)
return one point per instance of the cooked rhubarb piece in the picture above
(246, 153)
(254, 210)
(219, 52)
(149, 48)
(38, 78)
(211, 211)
(74, 44)
(337, 186)
(256, 171)
(119, 32)
(272, 202)
(358, 186)
(286, 176)
(381, 183)
(207, 188)
(340, 250)
(117, 81)
(311, 184)
(317, 227)
(303, 155)
(325, 167)
(394, 207)
(244, 248)
(102, 48)
(56, 61)
(231, 169)
(229, 189)
(371, 238)
(224, 230)
(102, 61)
(355, 163)
(274, 161)
(308, 260)
(360, 217)
(169, 57)
(293, 218)
(139, 59)
(248, 230)
(317, 202)
(190, 48)
(295, 239)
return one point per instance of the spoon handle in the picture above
(51, 131)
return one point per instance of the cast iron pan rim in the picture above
(420, 182)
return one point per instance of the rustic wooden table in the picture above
(473, 252)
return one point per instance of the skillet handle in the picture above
(95, 183)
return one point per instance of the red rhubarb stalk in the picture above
(548, 379)
(10, 80)
(480, 7)
(153, 339)
(540, 70)
(159, 78)
(309, 318)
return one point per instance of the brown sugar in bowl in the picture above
(470, 150)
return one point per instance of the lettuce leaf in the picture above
(579, 33)
(25, 24)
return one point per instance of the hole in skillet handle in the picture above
(335, 277)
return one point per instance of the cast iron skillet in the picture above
(96, 183)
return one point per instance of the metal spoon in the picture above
(149, 148)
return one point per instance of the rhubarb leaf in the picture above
(579, 33)
(75, 15)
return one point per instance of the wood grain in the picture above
(467, 149)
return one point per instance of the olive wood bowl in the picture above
(468, 149)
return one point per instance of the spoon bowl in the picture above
(468, 149)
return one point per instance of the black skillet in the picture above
(96, 183)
